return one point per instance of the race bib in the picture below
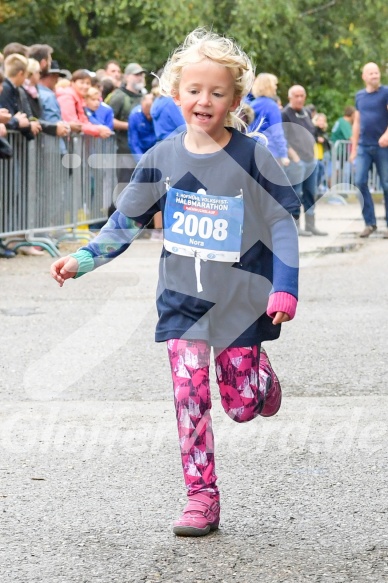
(204, 226)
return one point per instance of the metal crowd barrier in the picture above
(54, 188)
(343, 172)
(50, 190)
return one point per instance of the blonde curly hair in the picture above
(204, 44)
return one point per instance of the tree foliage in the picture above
(321, 44)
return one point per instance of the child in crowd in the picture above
(5, 117)
(97, 111)
(340, 138)
(322, 152)
(15, 68)
(62, 83)
(342, 129)
(229, 263)
(13, 99)
(5, 153)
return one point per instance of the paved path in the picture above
(90, 472)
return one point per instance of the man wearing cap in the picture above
(122, 101)
(51, 111)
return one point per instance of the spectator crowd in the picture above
(37, 95)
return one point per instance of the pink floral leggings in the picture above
(242, 385)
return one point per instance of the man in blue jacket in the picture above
(167, 117)
(141, 133)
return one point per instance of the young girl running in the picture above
(229, 264)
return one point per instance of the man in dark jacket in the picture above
(122, 101)
(299, 131)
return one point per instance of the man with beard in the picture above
(42, 54)
(122, 101)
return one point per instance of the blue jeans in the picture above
(303, 177)
(366, 157)
(321, 173)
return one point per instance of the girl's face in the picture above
(321, 122)
(206, 96)
(34, 78)
(81, 86)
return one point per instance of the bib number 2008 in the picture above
(204, 227)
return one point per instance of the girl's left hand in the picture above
(280, 317)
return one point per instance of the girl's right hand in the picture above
(63, 269)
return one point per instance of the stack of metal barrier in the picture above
(53, 187)
(343, 172)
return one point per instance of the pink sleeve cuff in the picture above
(282, 302)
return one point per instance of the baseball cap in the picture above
(134, 69)
(54, 69)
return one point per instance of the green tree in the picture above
(321, 44)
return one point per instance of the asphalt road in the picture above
(90, 476)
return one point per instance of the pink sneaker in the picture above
(273, 397)
(200, 515)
